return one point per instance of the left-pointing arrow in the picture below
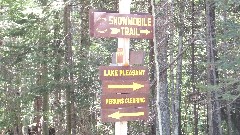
(118, 115)
(101, 31)
(134, 86)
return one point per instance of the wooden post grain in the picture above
(124, 8)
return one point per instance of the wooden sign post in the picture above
(125, 86)
(121, 128)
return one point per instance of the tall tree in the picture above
(43, 46)
(57, 73)
(195, 111)
(160, 50)
(214, 114)
(177, 96)
(69, 65)
(152, 77)
(228, 103)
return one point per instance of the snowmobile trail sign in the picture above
(117, 25)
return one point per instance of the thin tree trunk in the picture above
(160, 51)
(42, 82)
(58, 124)
(152, 77)
(177, 95)
(171, 72)
(86, 120)
(44, 76)
(214, 119)
(228, 104)
(177, 114)
(45, 105)
(69, 64)
(172, 87)
(38, 106)
(19, 125)
(37, 110)
(195, 112)
(229, 120)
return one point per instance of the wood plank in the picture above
(118, 25)
(138, 73)
(124, 114)
(124, 100)
(128, 86)
(136, 57)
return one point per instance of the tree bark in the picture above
(177, 95)
(37, 110)
(152, 77)
(160, 51)
(88, 121)
(229, 120)
(214, 119)
(228, 104)
(58, 124)
(44, 72)
(69, 64)
(45, 101)
(195, 112)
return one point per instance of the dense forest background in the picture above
(49, 67)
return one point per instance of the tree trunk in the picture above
(19, 125)
(58, 124)
(214, 119)
(152, 79)
(228, 104)
(45, 102)
(177, 95)
(37, 110)
(86, 120)
(195, 112)
(160, 51)
(45, 94)
(69, 64)
(229, 120)
(177, 102)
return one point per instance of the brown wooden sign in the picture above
(110, 101)
(138, 73)
(136, 57)
(128, 86)
(117, 25)
(125, 114)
